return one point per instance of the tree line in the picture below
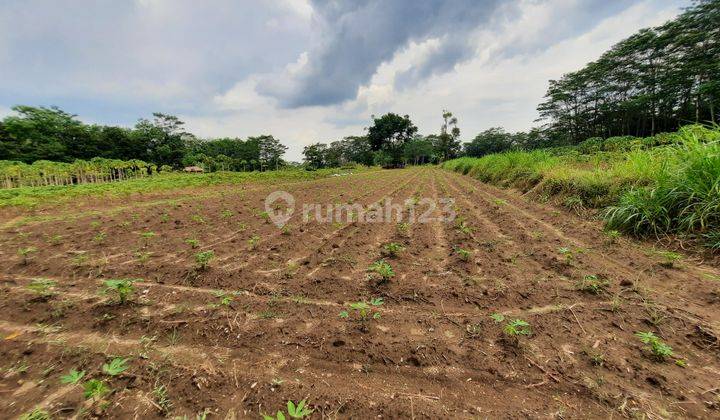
(50, 134)
(654, 81)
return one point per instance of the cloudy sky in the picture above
(305, 70)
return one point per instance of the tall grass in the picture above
(669, 183)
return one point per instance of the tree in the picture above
(389, 134)
(419, 150)
(493, 140)
(164, 137)
(315, 155)
(270, 151)
(447, 144)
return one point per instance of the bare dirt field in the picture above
(261, 324)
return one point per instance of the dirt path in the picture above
(262, 324)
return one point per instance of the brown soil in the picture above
(261, 325)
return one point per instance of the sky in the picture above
(305, 71)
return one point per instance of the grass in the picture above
(34, 196)
(669, 183)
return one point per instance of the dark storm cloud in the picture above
(358, 36)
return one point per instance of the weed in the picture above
(226, 214)
(142, 257)
(74, 377)
(383, 269)
(463, 254)
(100, 237)
(194, 243)
(253, 242)
(658, 349)
(35, 414)
(25, 253)
(295, 411)
(613, 235)
(499, 202)
(574, 203)
(669, 258)
(115, 367)
(202, 259)
(123, 288)
(403, 228)
(94, 389)
(42, 287)
(160, 395)
(497, 317)
(392, 249)
(592, 284)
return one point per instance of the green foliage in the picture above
(497, 317)
(593, 284)
(122, 288)
(392, 249)
(295, 411)
(463, 254)
(203, 259)
(42, 287)
(658, 349)
(115, 367)
(364, 310)
(95, 389)
(383, 269)
(194, 243)
(36, 414)
(517, 327)
(74, 377)
(25, 253)
(253, 242)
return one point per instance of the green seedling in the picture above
(658, 349)
(123, 288)
(36, 414)
(295, 411)
(226, 214)
(225, 298)
(517, 327)
(95, 224)
(142, 257)
(592, 284)
(392, 249)
(194, 243)
(669, 258)
(568, 254)
(94, 389)
(164, 218)
(100, 237)
(498, 318)
(25, 253)
(115, 367)
(463, 228)
(364, 310)
(613, 235)
(403, 228)
(265, 216)
(202, 259)
(383, 269)
(72, 378)
(285, 230)
(197, 218)
(42, 287)
(253, 242)
(160, 395)
(463, 254)
(55, 240)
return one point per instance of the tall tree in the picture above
(389, 133)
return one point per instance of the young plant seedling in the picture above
(43, 287)
(122, 288)
(197, 219)
(403, 228)
(115, 367)
(463, 254)
(100, 237)
(253, 242)
(593, 284)
(498, 318)
(295, 411)
(164, 218)
(72, 378)
(194, 243)
(567, 253)
(285, 230)
(669, 258)
(94, 389)
(382, 269)
(265, 216)
(517, 327)
(55, 240)
(392, 249)
(363, 309)
(463, 228)
(613, 236)
(162, 400)
(226, 214)
(202, 259)
(142, 257)
(658, 349)
(25, 253)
